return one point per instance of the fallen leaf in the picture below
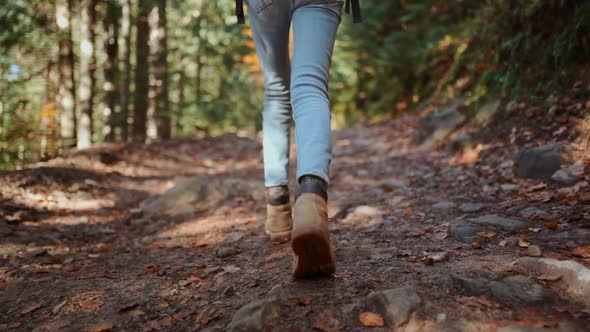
(535, 230)
(552, 225)
(302, 300)
(270, 266)
(408, 211)
(441, 235)
(127, 307)
(15, 325)
(208, 315)
(583, 252)
(231, 269)
(370, 319)
(153, 268)
(326, 323)
(523, 241)
(90, 304)
(476, 245)
(477, 302)
(31, 308)
(549, 277)
(417, 233)
(100, 327)
(487, 235)
(58, 307)
(503, 243)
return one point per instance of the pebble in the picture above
(255, 316)
(444, 206)
(471, 207)
(532, 212)
(498, 222)
(535, 251)
(226, 252)
(395, 305)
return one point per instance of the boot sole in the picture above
(313, 255)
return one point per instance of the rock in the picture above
(532, 212)
(226, 252)
(368, 211)
(200, 191)
(444, 206)
(542, 162)
(575, 281)
(471, 207)
(509, 187)
(234, 237)
(495, 221)
(519, 290)
(535, 251)
(255, 316)
(440, 125)
(212, 270)
(570, 175)
(395, 305)
(389, 185)
(465, 233)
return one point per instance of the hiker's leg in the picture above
(270, 23)
(314, 29)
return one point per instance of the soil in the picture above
(79, 252)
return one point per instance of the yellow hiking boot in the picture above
(279, 222)
(312, 251)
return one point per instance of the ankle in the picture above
(277, 195)
(313, 184)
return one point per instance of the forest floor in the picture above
(169, 236)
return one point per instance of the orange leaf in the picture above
(153, 268)
(31, 308)
(552, 225)
(90, 304)
(524, 242)
(487, 235)
(408, 211)
(583, 252)
(370, 319)
(302, 300)
(476, 245)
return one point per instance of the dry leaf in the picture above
(270, 266)
(153, 268)
(523, 241)
(15, 325)
(476, 245)
(535, 230)
(583, 252)
(127, 307)
(552, 225)
(208, 315)
(90, 304)
(31, 308)
(302, 300)
(487, 235)
(549, 277)
(370, 319)
(503, 243)
(326, 323)
(408, 211)
(417, 233)
(100, 327)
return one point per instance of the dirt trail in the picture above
(170, 237)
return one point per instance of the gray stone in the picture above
(575, 281)
(509, 187)
(471, 207)
(226, 252)
(541, 162)
(535, 251)
(444, 206)
(519, 290)
(395, 305)
(255, 316)
(369, 211)
(570, 175)
(465, 233)
(532, 212)
(439, 125)
(498, 222)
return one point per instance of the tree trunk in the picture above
(161, 73)
(66, 89)
(141, 101)
(126, 28)
(115, 121)
(87, 72)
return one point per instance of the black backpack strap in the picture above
(240, 11)
(356, 10)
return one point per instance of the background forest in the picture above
(78, 72)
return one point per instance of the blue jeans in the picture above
(300, 92)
